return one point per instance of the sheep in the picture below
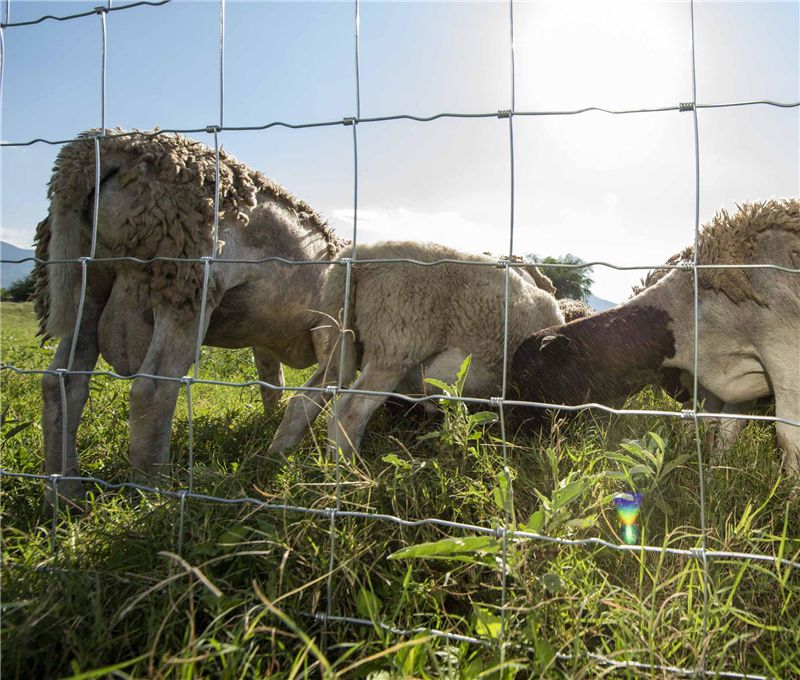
(749, 328)
(409, 322)
(157, 199)
(721, 436)
(574, 309)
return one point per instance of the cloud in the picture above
(451, 228)
(447, 227)
(22, 237)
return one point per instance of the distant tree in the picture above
(570, 282)
(20, 291)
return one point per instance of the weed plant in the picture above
(112, 588)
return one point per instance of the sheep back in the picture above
(406, 313)
(731, 239)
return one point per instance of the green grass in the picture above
(118, 599)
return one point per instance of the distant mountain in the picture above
(598, 304)
(13, 272)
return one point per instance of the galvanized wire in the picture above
(591, 542)
(491, 402)
(79, 15)
(411, 117)
(504, 534)
(701, 662)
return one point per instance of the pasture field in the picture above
(126, 595)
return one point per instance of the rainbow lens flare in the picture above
(628, 510)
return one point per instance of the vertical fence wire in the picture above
(696, 354)
(2, 62)
(343, 335)
(208, 260)
(507, 493)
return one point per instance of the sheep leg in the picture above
(725, 432)
(270, 371)
(152, 401)
(76, 391)
(787, 405)
(353, 411)
(303, 409)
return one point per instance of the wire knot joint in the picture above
(697, 554)
(685, 106)
(688, 414)
(504, 113)
(349, 120)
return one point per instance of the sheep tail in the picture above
(63, 278)
(66, 233)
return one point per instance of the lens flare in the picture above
(630, 534)
(628, 510)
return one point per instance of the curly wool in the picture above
(731, 239)
(574, 309)
(173, 179)
(41, 294)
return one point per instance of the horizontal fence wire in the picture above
(494, 531)
(80, 15)
(502, 533)
(685, 414)
(349, 121)
(401, 260)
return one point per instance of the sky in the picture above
(603, 187)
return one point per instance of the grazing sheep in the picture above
(574, 309)
(721, 435)
(157, 199)
(749, 328)
(411, 322)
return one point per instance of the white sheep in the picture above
(409, 322)
(157, 199)
(749, 328)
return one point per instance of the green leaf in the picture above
(543, 652)
(552, 582)
(581, 522)
(450, 549)
(641, 470)
(395, 460)
(570, 492)
(658, 440)
(461, 377)
(486, 623)
(536, 522)
(639, 451)
(502, 492)
(482, 418)
(368, 604)
(443, 386)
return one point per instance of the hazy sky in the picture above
(616, 188)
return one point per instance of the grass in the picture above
(124, 595)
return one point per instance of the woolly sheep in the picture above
(409, 322)
(157, 199)
(574, 309)
(749, 328)
(721, 435)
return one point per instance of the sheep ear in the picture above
(557, 338)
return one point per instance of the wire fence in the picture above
(504, 533)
